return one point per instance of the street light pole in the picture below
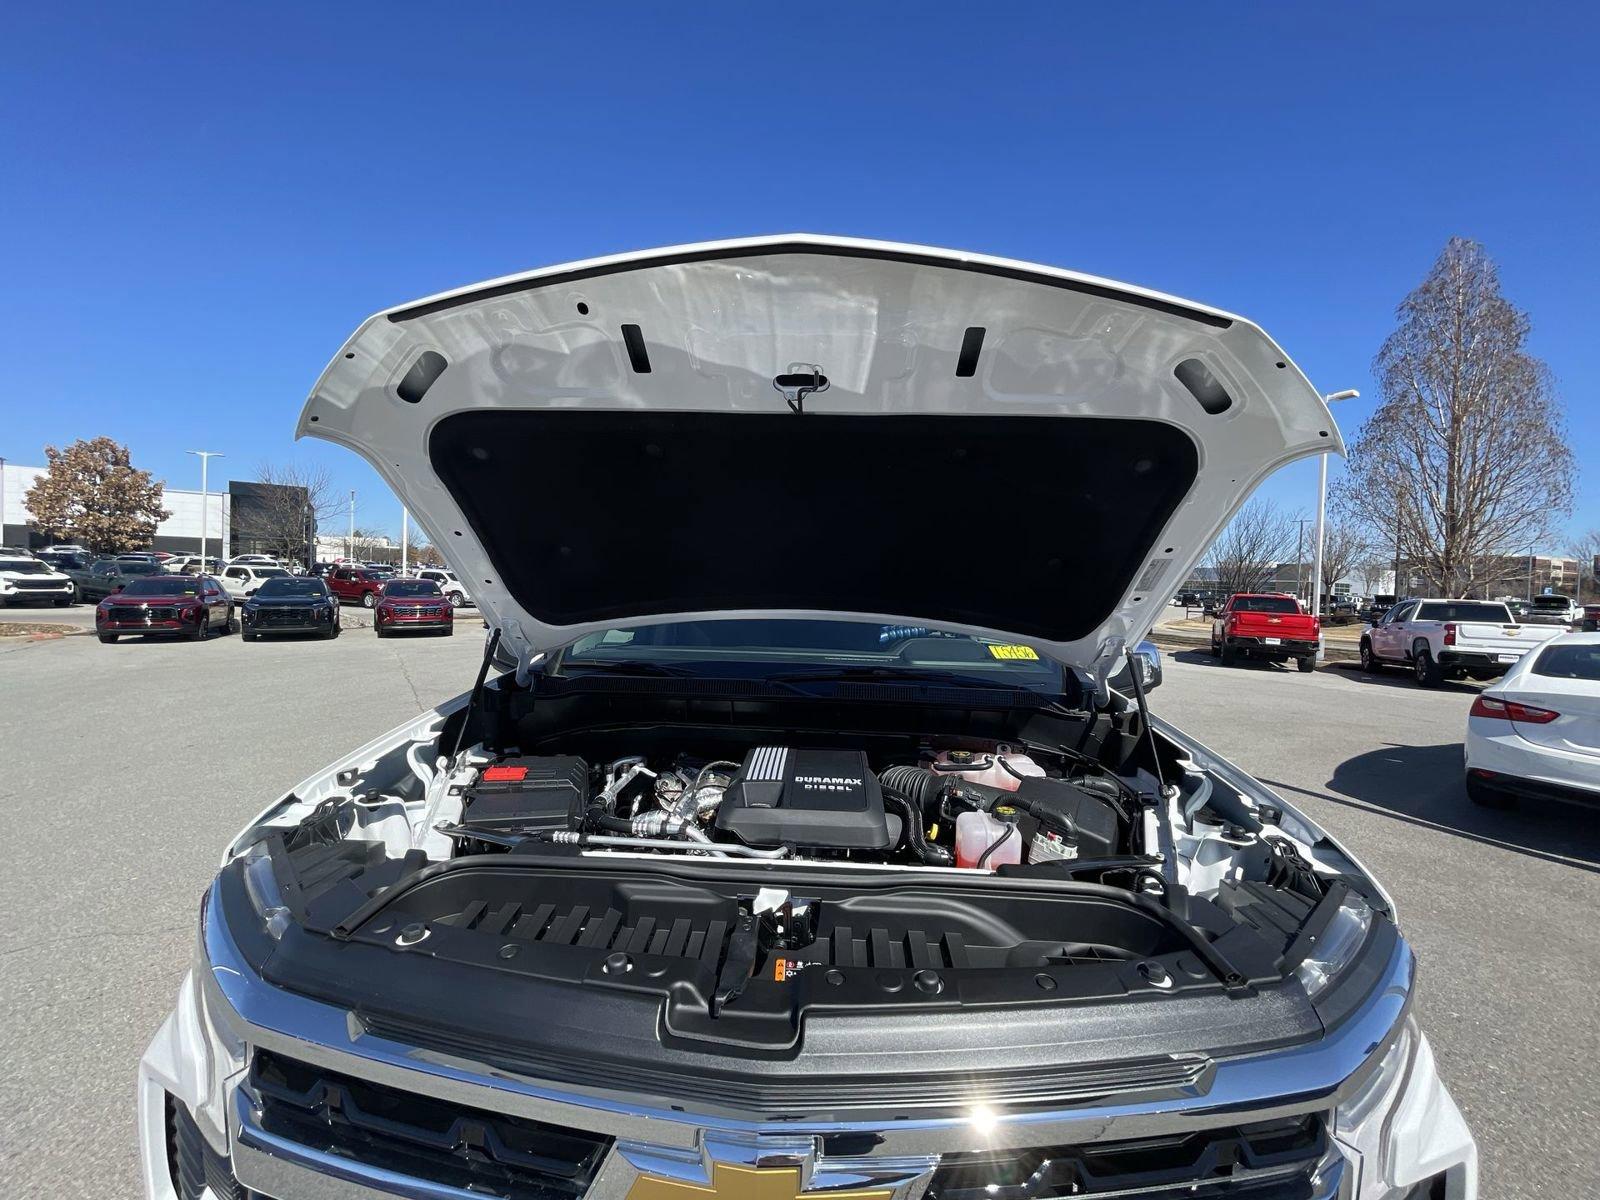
(405, 538)
(205, 500)
(350, 542)
(1322, 509)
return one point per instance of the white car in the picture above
(671, 904)
(25, 579)
(253, 560)
(448, 584)
(191, 564)
(1536, 734)
(242, 579)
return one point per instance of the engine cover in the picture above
(825, 799)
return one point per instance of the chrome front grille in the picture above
(1287, 1159)
(141, 612)
(286, 616)
(451, 1146)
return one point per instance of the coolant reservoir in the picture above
(977, 831)
(1003, 769)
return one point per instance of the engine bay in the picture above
(968, 808)
(733, 875)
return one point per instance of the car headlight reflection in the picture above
(1340, 942)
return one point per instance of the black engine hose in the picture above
(596, 817)
(1010, 831)
(912, 832)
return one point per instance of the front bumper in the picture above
(1388, 1122)
(52, 593)
(147, 625)
(264, 621)
(385, 620)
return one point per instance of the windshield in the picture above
(411, 587)
(26, 566)
(763, 648)
(1266, 604)
(292, 587)
(1577, 661)
(167, 585)
(144, 567)
(1465, 610)
(1558, 602)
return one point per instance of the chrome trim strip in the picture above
(1287, 1082)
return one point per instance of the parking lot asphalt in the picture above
(125, 769)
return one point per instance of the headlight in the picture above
(1379, 1090)
(1403, 1131)
(1337, 946)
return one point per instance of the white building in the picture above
(178, 534)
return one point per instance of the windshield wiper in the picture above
(625, 666)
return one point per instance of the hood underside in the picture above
(805, 427)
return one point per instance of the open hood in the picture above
(810, 426)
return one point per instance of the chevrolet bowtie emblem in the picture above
(729, 1182)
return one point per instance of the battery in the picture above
(529, 795)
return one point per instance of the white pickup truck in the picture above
(1450, 639)
(1553, 610)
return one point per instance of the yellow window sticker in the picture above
(1014, 653)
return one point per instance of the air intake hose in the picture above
(916, 784)
(911, 791)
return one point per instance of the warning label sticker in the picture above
(785, 969)
(1015, 653)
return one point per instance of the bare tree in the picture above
(1466, 458)
(1259, 537)
(281, 517)
(1346, 543)
(1586, 549)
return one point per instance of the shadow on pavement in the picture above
(1203, 657)
(1396, 677)
(1422, 786)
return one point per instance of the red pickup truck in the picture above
(357, 585)
(1268, 625)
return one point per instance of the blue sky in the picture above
(198, 203)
